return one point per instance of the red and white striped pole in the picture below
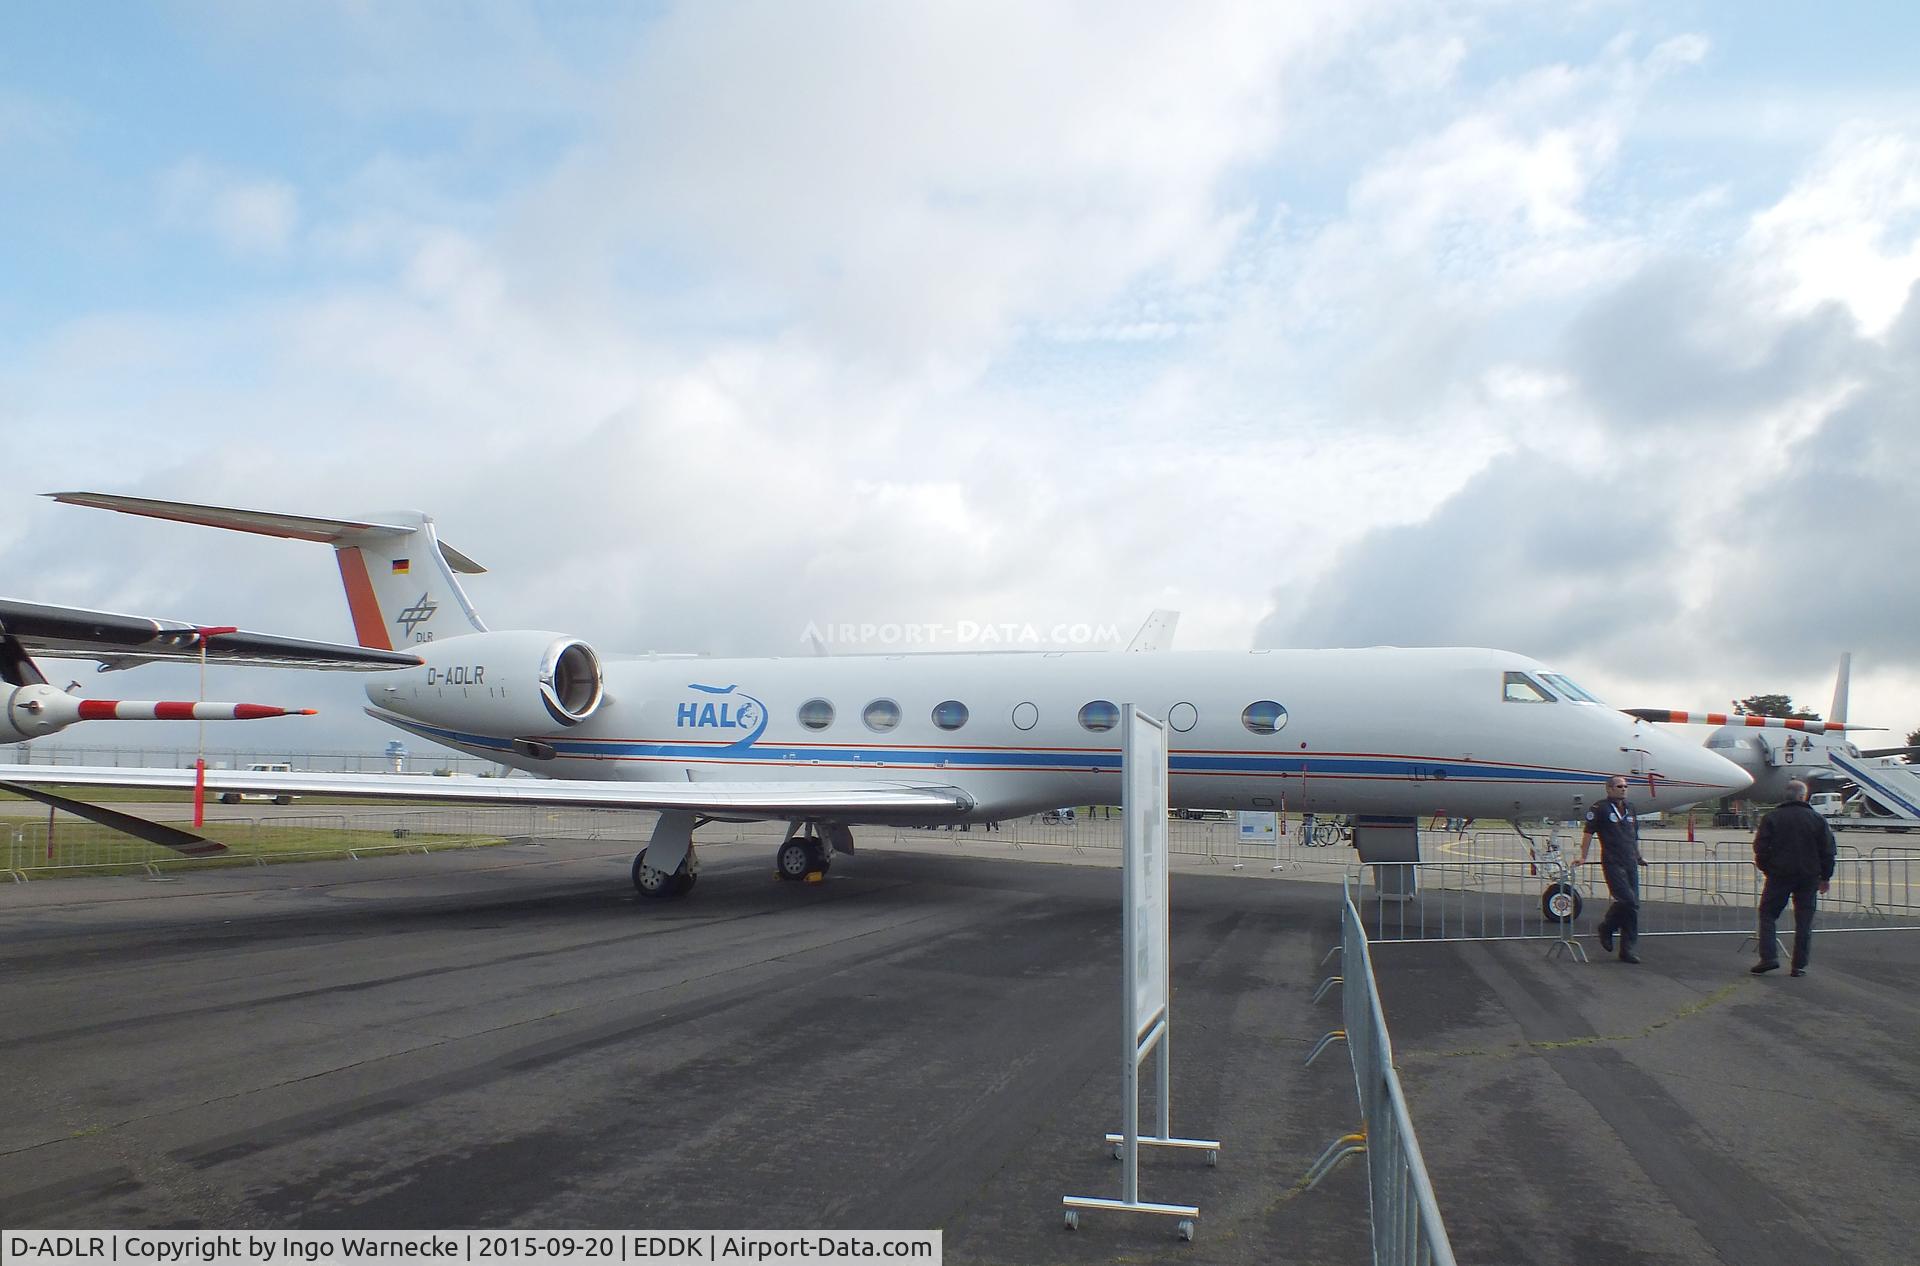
(200, 741)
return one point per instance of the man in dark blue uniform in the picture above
(1614, 821)
(1795, 849)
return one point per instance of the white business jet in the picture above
(826, 743)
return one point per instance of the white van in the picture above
(1827, 804)
(281, 767)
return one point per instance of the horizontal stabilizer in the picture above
(263, 523)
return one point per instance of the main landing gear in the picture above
(660, 885)
(667, 868)
(808, 850)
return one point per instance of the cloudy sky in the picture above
(1585, 330)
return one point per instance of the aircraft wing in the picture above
(124, 641)
(745, 800)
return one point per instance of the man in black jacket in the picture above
(1618, 827)
(1794, 848)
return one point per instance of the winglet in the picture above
(1157, 633)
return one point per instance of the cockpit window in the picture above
(1524, 689)
(1568, 688)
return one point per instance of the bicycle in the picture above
(1316, 834)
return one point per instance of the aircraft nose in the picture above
(1701, 773)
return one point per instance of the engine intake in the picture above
(570, 681)
(511, 684)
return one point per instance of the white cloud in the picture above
(1848, 231)
(247, 217)
(1418, 63)
(926, 180)
(920, 313)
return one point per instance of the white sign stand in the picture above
(1147, 975)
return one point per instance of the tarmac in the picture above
(510, 1037)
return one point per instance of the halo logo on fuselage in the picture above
(739, 717)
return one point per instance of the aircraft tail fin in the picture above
(398, 574)
(1157, 633)
(1838, 712)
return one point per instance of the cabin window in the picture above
(950, 715)
(1182, 716)
(1099, 716)
(1025, 716)
(1264, 717)
(1524, 689)
(816, 714)
(1568, 688)
(881, 715)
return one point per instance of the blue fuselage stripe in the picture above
(1017, 759)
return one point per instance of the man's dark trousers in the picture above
(1805, 894)
(1623, 916)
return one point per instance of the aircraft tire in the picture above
(1559, 902)
(795, 857)
(649, 882)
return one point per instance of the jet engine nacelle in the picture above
(507, 684)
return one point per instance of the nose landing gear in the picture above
(1561, 902)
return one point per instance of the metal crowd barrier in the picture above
(1407, 1227)
(30, 847)
(62, 751)
(1488, 899)
(1213, 841)
(68, 845)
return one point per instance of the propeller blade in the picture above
(1666, 716)
(152, 832)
